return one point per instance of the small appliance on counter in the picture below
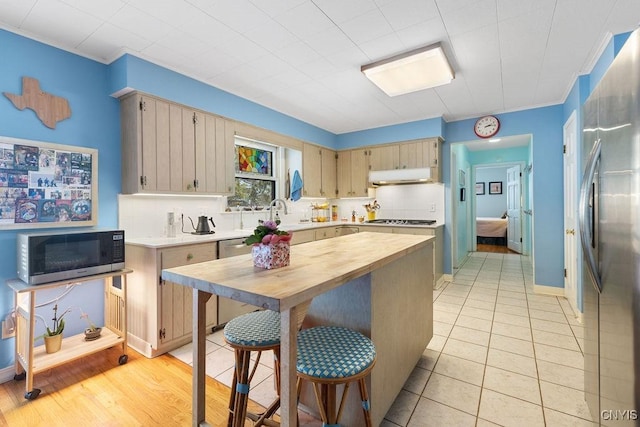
(203, 225)
(50, 257)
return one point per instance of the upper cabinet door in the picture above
(359, 172)
(189, 150)
(175, 148)
(343, 173)
(412, 155)
(312, 171)
(384, 157)
(329, 169)
(225, 156)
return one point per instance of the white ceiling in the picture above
(303, 57)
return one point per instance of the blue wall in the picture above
(135, 73)
(545, 124)
(404, 132)
(94, 122)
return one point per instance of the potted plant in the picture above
(53, 337)
(92, 332)
(270, 245)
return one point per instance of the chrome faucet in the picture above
(272, 206)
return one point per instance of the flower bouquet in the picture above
(270, 245)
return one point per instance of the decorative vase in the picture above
(52, 343)
(92, 334)
(272, 255)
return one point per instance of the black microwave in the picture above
(44, 258)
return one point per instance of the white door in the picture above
(570, 209)
(514, 224)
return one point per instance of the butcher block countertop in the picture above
(315, 267)
(376, 283)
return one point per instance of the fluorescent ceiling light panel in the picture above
(412, 71)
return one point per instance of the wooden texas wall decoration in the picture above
(49, 108)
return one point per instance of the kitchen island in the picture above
(379, 284)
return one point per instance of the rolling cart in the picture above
(30, 360)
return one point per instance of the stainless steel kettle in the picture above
(203, 225)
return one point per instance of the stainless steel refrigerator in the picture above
(610, 234)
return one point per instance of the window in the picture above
(255, 164)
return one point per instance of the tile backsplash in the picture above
(146, 215)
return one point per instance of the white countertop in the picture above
(189, 239)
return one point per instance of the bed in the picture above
(492, 231)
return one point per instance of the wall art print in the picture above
(47, 185)
(254, 160)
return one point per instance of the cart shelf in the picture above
(30, 360)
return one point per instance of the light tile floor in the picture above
(500, 355)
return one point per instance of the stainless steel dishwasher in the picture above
(228, 309)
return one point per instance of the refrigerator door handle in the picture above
(584, 215)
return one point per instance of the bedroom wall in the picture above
(491, 205)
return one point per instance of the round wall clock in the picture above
(487, 126)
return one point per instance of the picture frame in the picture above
(45, 185)
(479, 188)
(461, 178)
(495, 187)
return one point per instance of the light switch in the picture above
(432, 208)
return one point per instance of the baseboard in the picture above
(7, 374)
(440, 282)
(548, 290)
(141, 346)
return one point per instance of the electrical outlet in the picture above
(5, 331)
(432, 208)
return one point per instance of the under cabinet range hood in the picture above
(400, 176)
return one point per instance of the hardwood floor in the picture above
(96, 391)
(494, 249)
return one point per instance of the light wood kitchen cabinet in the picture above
(438, 253)
(435, 158)
(170, 148)
(213, 158)
(376, 229)
(151, 157)
(160, 316)
(329, 166)
(318, 171)
(325, 233)
(422, 153)
(384, 157)
(303, 236)
(353, 173)
(414, 154)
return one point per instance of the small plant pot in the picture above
(52, 343)
(92, 334)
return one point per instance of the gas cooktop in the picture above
(403, 221)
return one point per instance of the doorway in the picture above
(508, 151)
(498, 207)
(570, 135)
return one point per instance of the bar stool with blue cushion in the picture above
(332, 355)
(253, 332)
